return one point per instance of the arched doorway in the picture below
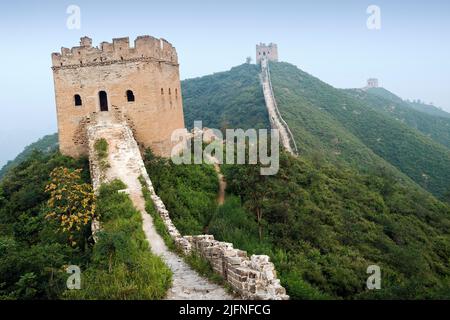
(103, 97)
(130, 96)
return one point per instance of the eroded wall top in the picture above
(145, 47)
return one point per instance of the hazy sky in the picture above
(329, 39)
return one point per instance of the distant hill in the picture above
(46, 144)
(429, 109)
(416, 105)
(409, 150)
(429, 123)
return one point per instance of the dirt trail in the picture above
(222, 185)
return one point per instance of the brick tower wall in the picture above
(269, 51)
(149, 69)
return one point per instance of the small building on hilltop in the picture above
(269, 51)
(372, 83)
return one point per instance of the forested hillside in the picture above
(346, 127)
(232, 99)
(434, 126)
(321, 226)
(416, 105)
(429, 109)
(41, 234)
(343, 204)
(47, 143)
(299, 95)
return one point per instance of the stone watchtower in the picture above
(269, 51)
(372, 83)
(141, 83)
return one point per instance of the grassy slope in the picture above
(301, 97)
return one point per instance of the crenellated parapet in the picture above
(119, 51)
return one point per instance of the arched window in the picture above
(169, 92)
(103, 97)
(130, 96)
(77, 100)
(176, 92)
(162, 91)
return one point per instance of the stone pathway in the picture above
(127, 165)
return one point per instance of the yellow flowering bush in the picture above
(71, 203)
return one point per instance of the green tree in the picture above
(71, 203)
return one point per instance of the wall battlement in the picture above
(145, 47)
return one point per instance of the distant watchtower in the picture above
(372, 83)
(141, 83)
(269, 51)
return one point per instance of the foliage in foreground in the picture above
(33, 254)
(71, 204)
(189, 192)
(122, 265)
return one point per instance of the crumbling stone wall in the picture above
(252, 277)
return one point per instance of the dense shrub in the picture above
(33, 254)
(188, 191)
(122, 265)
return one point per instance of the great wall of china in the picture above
(250, 277)
(276, 120)
(265, 54)
(131, 97)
